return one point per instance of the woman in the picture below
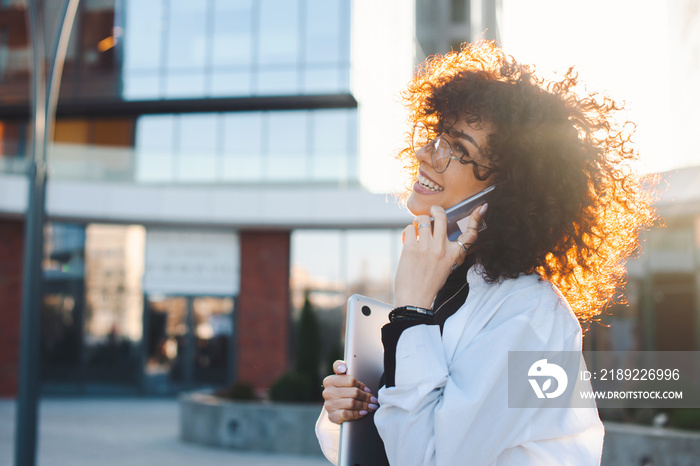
(563, 218)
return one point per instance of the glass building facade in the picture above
(235, 48)
(308, 146)
(206, 95)
(178, 92)
(166, 49)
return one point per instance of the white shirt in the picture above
(448, 407)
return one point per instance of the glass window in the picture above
(63, 304)
(231, 83)
(155, 132)
(317, 265)
(278, 81)
(15, 53)
(154, 148)
(287, 136)
(189, 341)
(352, 162)
(93, 149)
(114, 300)
(166, 341)
(372, 258)
(144, 23)
(198, 147)
(233, 29)
(346, 262)
(140, 86)
(279, 32)
(330, 144)
(333, 264)
(213, 329)
(181, 48)
(242, 151)
(60, 328)
(323, 80)
(97, 39)
(323, 31)
(180, 85)
(291, 146)
(187, 35)
(316, 259)
(143, 35)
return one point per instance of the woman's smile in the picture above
(457, 182)
(426, 185)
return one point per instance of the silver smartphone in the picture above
(360, 443)
(458, 215)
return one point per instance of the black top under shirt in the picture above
(448, 300)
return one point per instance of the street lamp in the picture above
(44, 100)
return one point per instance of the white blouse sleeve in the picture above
(328, 435)
(458, 414)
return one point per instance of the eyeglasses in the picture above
(440, 149)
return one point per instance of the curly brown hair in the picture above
(569, 206)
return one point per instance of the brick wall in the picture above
(11, 251)
(262, 312)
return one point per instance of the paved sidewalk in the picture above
(131, 431)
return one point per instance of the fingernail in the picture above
(403, 238)
(342, 368)
(483, 208)
(363, 412)
(374, 400)
(373, 406)
(367, 389)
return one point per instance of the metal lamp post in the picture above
(44, 100)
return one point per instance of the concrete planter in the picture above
(632, 445)
(289, 428)
(249, 425)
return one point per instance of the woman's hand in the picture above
(346, 398)
(428, 256)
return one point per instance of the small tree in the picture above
(308, 357)
(303, 383)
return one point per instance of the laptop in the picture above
(360, 444)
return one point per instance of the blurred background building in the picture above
(204, 174)
(212, 161)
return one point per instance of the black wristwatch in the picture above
(412, 313)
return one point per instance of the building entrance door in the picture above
(188, 342)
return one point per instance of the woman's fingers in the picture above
(423, 226)
(348, 403)
(439, 221)
(339, 367)
(410, 235)
(346, 398)
(342, 379)
(477, 217)
(469, 237)
(340, 416)
(428, 258)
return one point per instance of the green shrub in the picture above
(308, 343)
(685, 418)
(303, 383)
(238, 391)
(294, 386)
